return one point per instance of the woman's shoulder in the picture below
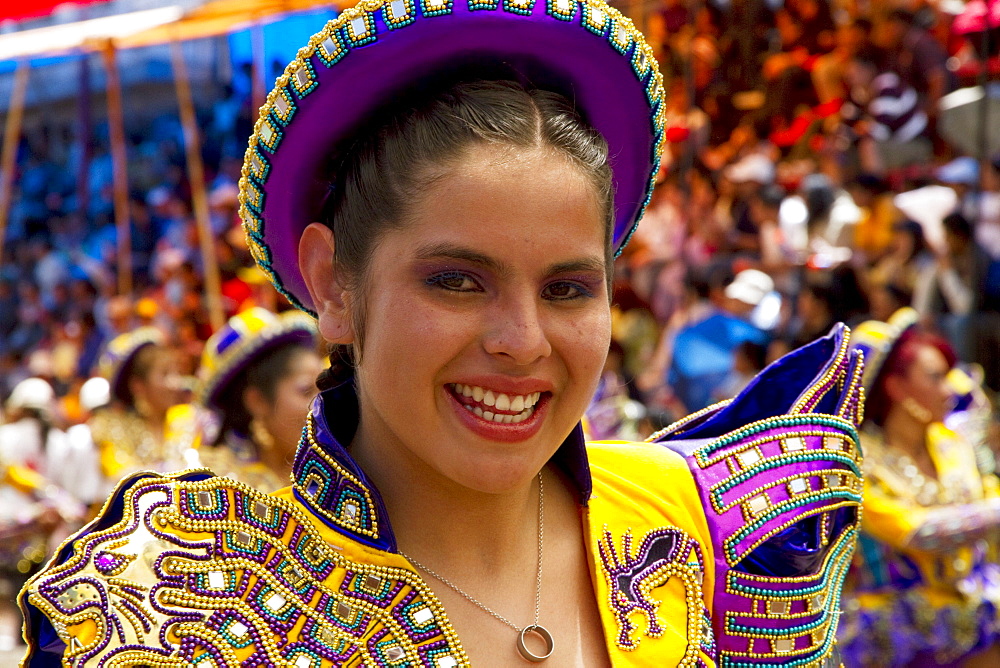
(190, 566)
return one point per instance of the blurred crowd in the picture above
(813, 175)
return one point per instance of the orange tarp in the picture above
(221, 17)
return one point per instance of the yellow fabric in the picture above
(638, 487)
(126, 444)
(24, 479)
(873, 233)
(640, 490)
(892, 513)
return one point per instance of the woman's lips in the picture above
(496, 415)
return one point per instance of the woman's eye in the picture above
(454, 281)
(562, 290)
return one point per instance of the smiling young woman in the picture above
(444, 185)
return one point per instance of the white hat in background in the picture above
(750, 287)
(31, 393)
(95, 393)
(754, 168)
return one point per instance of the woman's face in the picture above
(293, 394)
(161, 387)
(487, 321)
(925, 382)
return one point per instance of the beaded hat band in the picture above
(876, 339)
(241, 341)
(363, 59)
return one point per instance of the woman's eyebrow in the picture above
(453, 252)
(585, 264)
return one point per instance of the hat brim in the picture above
(363, 59)
(219, 383)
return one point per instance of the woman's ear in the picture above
(329, 296)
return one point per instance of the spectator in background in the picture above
(879, 215)
(908, 261)
(749, 359)
(745, 41)
(915, 56)
(775, 256)
(704, 350)
(828, 296)
(953, 292)
(886, 116)
(829, 74)
(748, 176)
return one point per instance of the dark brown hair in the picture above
(388, 168)
(264, 373)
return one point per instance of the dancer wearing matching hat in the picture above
(444, 184)
(146, 427)
(925, 585)
(259, 377)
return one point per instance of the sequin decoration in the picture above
(804, 470)
(331, 491)
(632, 572)
(211, 572)
(399, 13)
(371, 20)
(563, 10)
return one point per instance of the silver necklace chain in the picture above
(538, 574)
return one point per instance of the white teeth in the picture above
(521, 405)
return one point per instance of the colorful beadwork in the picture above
(763, 479)
(334, 493)
(632, 572)
(371, 20)
(241, 340)
(213, 573)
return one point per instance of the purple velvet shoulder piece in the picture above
(779, 472)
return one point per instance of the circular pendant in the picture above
(542, 633)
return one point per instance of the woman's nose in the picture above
(516, 330)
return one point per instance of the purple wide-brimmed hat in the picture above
(362, 60)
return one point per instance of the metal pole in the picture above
(119, 160)
(199, 198)
(11, 140)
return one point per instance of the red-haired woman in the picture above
(925, 591)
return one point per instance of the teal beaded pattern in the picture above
(802, 470)
(211, 573)
(812, 599)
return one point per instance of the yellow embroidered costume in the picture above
(722, 542)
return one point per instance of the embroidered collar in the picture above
(328, 481)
